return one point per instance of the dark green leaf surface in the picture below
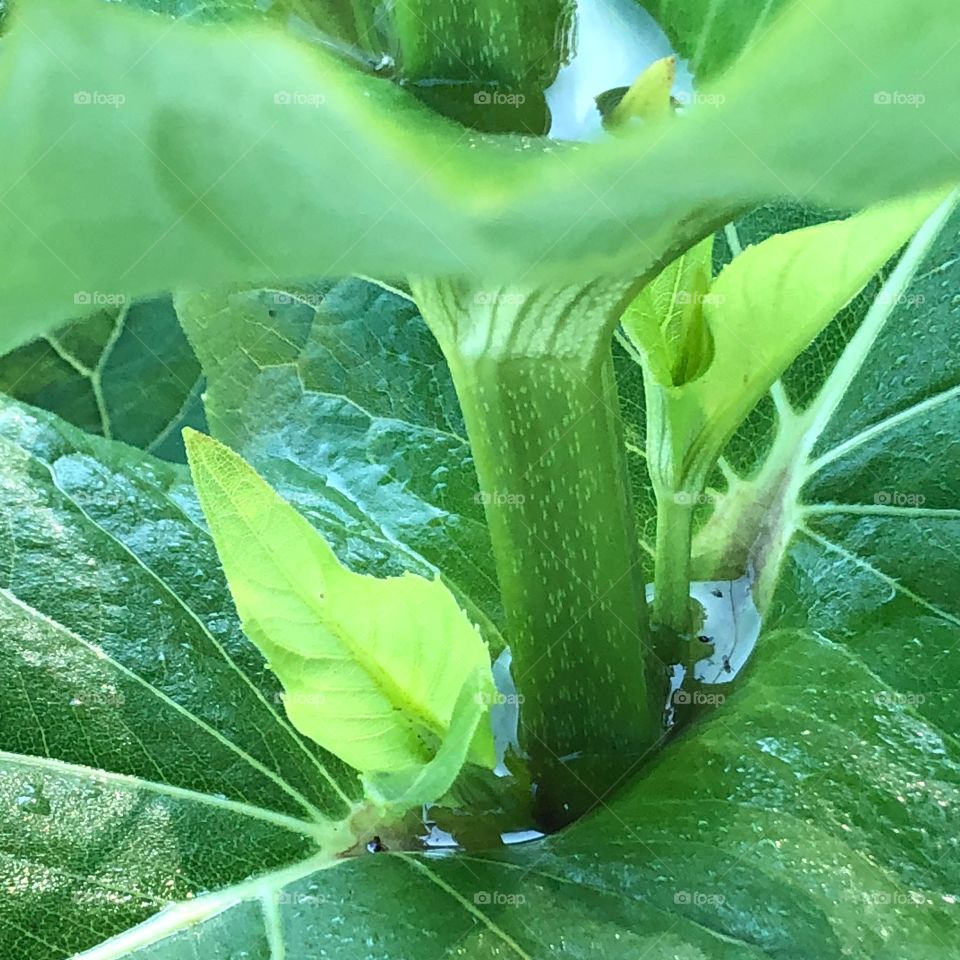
(145, 757)
(240, 155)
(340, 397)
(885, 498)
(802, 821)
(126, 373)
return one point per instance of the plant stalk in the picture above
(544, 427)
(678, 482)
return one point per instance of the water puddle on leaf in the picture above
(732, 625)
(727, 636)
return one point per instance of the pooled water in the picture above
(732, 622)
(731, 625)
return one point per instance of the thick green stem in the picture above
(545, 435)
(545, 440)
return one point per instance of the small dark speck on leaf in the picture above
(375, 846)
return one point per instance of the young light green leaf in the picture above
(648, 97)
(371, 668)
(765, 307)
(762, 310)
(666, 323)
(774, 299)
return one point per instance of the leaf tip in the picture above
(198, 443)
(191, 437)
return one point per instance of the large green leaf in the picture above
(340, 397)
(812, 815)
(757, 837)
(127, 373)
(145, 752)
(243, 154)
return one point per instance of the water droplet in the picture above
(33, 801)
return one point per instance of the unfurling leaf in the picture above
(372, 669)
(761, 310)
(666, 322)
(647, 98)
